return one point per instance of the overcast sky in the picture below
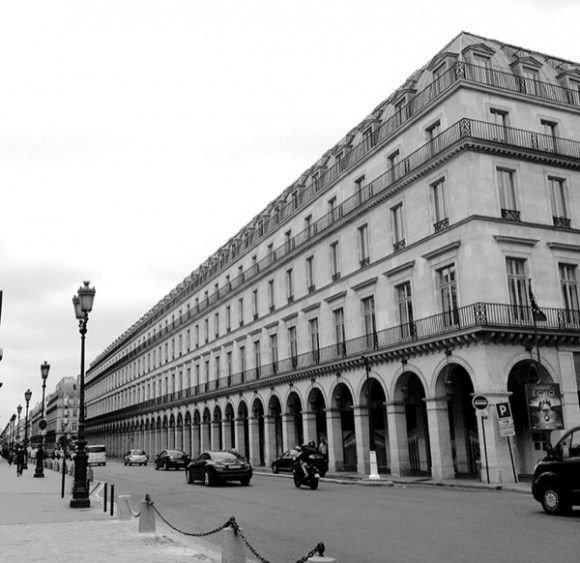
(136, 137)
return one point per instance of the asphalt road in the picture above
(357, 523)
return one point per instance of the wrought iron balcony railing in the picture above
(478, 316)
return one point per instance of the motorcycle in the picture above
(312, 475)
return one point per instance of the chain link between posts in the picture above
(237, 530)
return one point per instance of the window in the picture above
(432, 137)
(257, 357)
(288, 240)
(335, 261)
(255, 303)
(242, 361)
(401, 111)
(393, 161)
(295, 199)
(549, 139)
(216, 324)
(518, 294)
(316, 180)
(274, 351)
(228, 318)
(370, 322)
(507, 194)
(332, 209)
(530, 81)
(308, 225)
(271, 255)
(499, 119)
(339, 332)
(369, 139)
(241, 311)
(229, 366)
(398, 227)
(405, 308)
(438, 204)
(363, 245)
(206, 330)
(569, 285)
(314, 339)
(290, 285)
(196, 330)
(558, 200)
(448, 295)
(310, 280)
(293, 346)
(271, 302)
(217, 369)
(358, 188)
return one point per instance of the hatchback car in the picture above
(556, 483)
(214, 467)
(168, 459)
(138, 457)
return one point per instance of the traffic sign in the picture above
(506, 427)
(480, 402)
(503, 410)
(42, 424)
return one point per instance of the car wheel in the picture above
(124, 463)
(207, 479)
(156, 466)
(188, 478)
(145, 464)
(166, 466)
(245, 482)
(552, 501)
(275, 468)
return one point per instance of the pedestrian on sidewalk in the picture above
(20, 459)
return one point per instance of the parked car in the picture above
(135, 456)
(213, 467)
(286, 461)
(556, 483)
(175, 459)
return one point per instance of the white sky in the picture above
(138, 136)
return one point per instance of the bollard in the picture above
(123, 510)
(112, 500)
(146, 517)
(233, 547)
(105, 498)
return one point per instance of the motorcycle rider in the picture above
(303, 452)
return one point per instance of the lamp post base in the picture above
(80, 503)
(80, 491)
(39, 471)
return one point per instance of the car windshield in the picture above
(174, 452)
(137, 452)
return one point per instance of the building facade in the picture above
(384, 289)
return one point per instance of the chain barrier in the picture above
(131, 511)
(237, 530)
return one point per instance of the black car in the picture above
(286, 461)
(168, 459)
(213, 467)
(556, 483)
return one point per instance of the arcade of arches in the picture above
(418, 424)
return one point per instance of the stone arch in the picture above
(346, 453)
(373, 395)
(316, 404)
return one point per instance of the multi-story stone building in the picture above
(392, 277)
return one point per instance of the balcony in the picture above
(484, 321)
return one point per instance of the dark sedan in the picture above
(168, 459)
(286, 461)
(213, 467)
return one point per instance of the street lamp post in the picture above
(39, 472)
(27, 395)
(83, 305)
(12, 419)
(18, 410)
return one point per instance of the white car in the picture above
(135, 456)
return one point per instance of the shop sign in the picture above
(544, 406)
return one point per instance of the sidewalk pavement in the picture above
(36, 524)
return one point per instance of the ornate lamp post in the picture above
(18, 410)
(27, 395)
(39, 472)
(12, 419)
(83, 305)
